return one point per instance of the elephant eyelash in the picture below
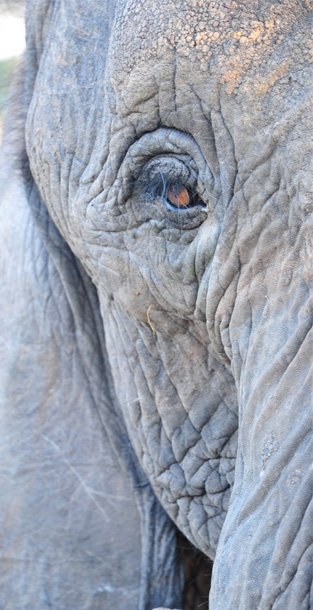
(176, 194)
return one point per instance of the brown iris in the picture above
(180, 197)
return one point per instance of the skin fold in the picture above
(158, 355)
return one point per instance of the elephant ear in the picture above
(44, 21)
(87, 19)
(80, 526)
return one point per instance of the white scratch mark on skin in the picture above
(148, 319)
(131, 402)
(113, 589)
(89, 491)
(108, 588)
(106, 495)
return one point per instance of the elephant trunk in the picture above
(265, 554)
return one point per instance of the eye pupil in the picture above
(180, 197)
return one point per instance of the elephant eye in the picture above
(182, 197)
(179, 197)
(177, 192)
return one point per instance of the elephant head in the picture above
(171, 145)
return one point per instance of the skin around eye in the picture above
(180, 198)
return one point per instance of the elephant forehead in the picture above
(224, 37)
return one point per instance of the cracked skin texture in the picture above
(231, 39)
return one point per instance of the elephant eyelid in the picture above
(176, 194)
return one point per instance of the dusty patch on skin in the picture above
(270, 447)
(263, 84)
(220, 36)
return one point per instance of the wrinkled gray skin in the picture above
(179, 375)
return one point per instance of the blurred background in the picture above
(12, 42)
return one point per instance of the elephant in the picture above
(156, 305)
